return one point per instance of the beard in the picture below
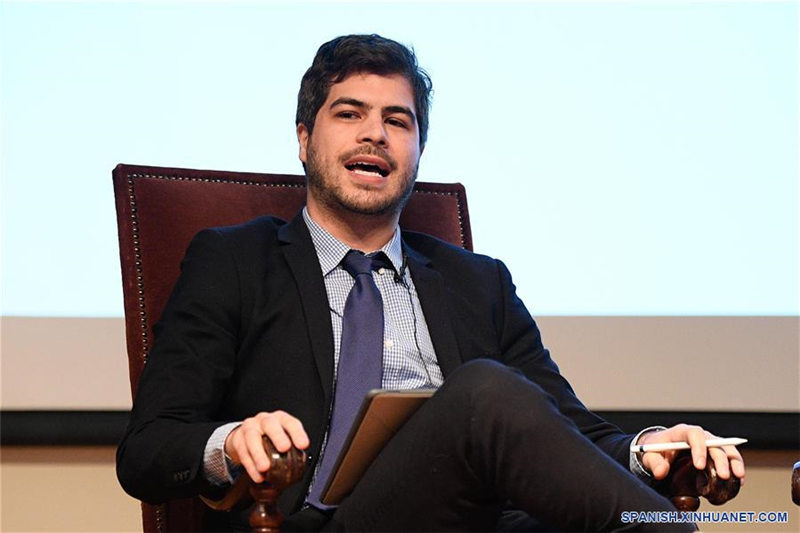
(328, 187)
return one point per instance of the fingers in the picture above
(244, 445)
(657, 464)
(696, 437)
(272, 427)
(250, 451)
(737, 463)
(296, 432)
(720, 459)
(727, 460)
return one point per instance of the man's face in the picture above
(364, 152)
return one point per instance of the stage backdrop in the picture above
(634, 164)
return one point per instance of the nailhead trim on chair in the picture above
(139, 279)
(161, 518)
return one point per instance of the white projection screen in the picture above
(635, 164)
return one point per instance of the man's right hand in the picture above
(245, 447)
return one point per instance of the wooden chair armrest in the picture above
(285, 468)
(685, 484)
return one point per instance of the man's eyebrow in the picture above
(346, 100)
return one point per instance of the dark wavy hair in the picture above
(372, 54)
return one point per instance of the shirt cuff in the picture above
(217, 467)
(635, 461)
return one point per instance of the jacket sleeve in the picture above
(183, 382)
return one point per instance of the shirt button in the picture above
(381, 270)
(388, 344)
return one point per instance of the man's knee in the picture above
(485, 383)
(480, 373)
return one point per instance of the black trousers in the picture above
(489, 438)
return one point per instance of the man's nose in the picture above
(373, 131)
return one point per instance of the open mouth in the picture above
(368, 166)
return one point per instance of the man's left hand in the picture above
(726, 459)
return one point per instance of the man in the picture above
(259, 338)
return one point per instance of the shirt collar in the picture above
(331, 250)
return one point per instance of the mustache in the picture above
(368, 149)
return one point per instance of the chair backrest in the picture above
(159, 210)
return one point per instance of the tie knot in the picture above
(356, 262)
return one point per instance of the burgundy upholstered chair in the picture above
(159, 210)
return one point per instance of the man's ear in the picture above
(302, 139)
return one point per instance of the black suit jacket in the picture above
(248, 329)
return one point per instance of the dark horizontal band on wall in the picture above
(765, 431)
(59, 428)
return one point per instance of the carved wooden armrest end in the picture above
(685, 484)
(285, 468)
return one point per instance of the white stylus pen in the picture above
(667, 446)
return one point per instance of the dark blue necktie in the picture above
(360, 357)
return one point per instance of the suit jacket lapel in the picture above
(432, 297)
(304, 264)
